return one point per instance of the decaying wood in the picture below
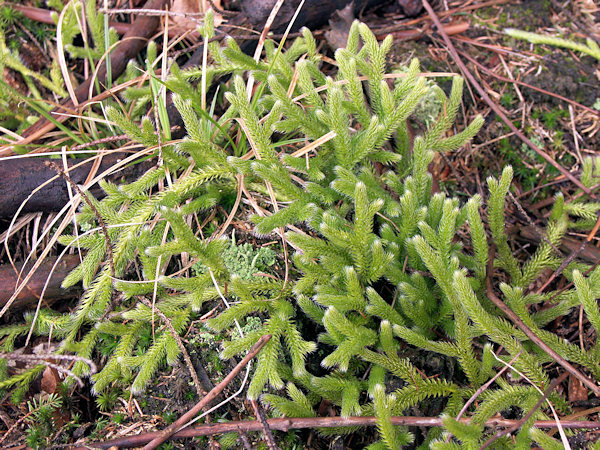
(20, 177)
(31, 294)
(313, 14)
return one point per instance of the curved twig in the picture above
(285, 424)
(495, 107)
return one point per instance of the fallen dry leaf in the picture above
(577, 391)
(50, 380)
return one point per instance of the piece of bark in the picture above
(590, 254)
(19, 177)
(339, 27)
(30, 295)
(313, 14)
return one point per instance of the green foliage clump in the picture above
(41, 420)
(18, 109)
(379, 266)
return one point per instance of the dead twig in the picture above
(485, 386)
(530, 413)
(568, 261)
(43, 359)
(530, 334)
(260, 415)
(495, 107)
(179, 423)
(97, 214)
(285, 424)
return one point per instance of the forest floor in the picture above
(561, 115)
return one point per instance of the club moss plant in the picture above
(379, 266)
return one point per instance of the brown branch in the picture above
(260, 415)
(45, 16)
(495, 107)
(530, 413)
(483, 387)
(44, 359)
(245, 440)
(530, 334)
(285, 424)
(171, 429)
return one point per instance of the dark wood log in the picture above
(31, 294)
(19, 177)
(313, 14)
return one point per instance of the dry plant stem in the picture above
(45, 16)
(485, 386)
(122, 137)
(541, 233)
(530, 334)
(101, 222)
(413, 35)
(549, 201)
(563, 265)
(584, 413)
(527, 85)
(530, 413)
(495, 107)
(43, 359)
(171, 429)
(14, 426)
(260, 415)
(245, 440)
(285, 424)
(184, 352)
(33, 39)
